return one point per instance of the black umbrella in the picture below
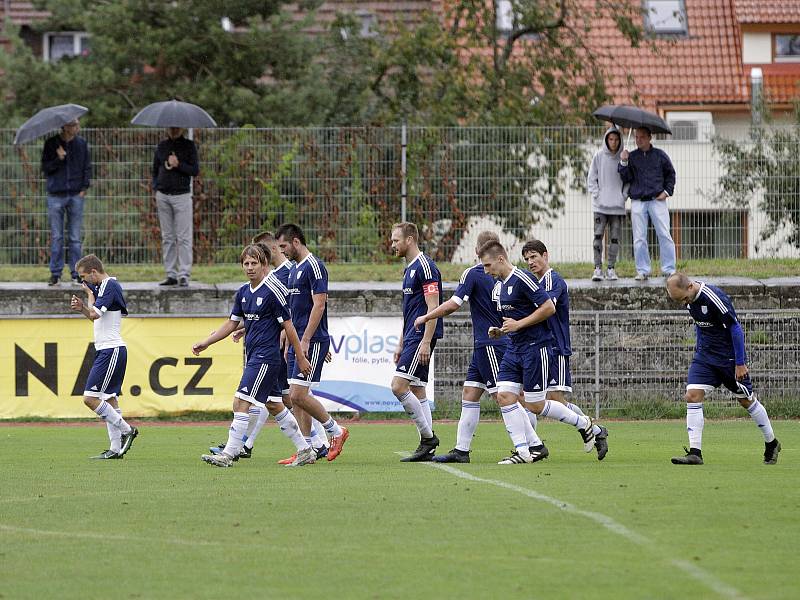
(173, 114)
(632, 117)
(48, 119)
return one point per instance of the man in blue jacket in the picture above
(67, 164)
(651, 176)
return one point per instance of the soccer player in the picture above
(263, 308)
(559, 381)
(308, 301)
(719, 359)
(105, 306)
(480, 290)
(525, 366)
(422, 292)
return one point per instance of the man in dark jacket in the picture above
(174, 165)
(651, 176)
(68, 166)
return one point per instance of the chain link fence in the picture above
(346, 186)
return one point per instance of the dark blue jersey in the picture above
(713, 314)
(556, 288)
(110, 306)
(520, 296)
(108, 296)
(482, 291)
(421, 277)
(281, 273)
(263, 310)
(306, 278)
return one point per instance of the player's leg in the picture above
(702, 378)
(467, 422)
(743, 392)
(407, 372)
(419, 387)
(288, 425)
(114, 434)
(510, 379)
(105, 382)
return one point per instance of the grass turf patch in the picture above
(162, 524)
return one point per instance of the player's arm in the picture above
(442, 310)
(431, 291)
(399, 349)
(291, 337)
(737, 338)
(546, 310)
(87, 309)
(238, 333)
(220, 333)
(313, 320)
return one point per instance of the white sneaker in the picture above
(597, 275)
(307, 456)
(218, 460)
(641, 277)
(611, 274)
(516, 459)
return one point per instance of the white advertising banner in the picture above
(359, 378)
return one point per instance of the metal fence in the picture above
(626, 360)
(346, 186)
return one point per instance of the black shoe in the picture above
(107, 455)
(771, 450)
(183, 282)
(169, 281)
(693, 457)
(538, 452)
(53, 280)
(127, 440)
(454, 456)
(245, 452)
(425, 450)
(601, 443)
(217, 449)
(322, 452)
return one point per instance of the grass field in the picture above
(162, 524)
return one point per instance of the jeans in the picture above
(175, 218)
(657, 212)
(614, 224)
(57, 208)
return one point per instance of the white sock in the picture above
(288, 424)
(532, 418)
(530, 433)
(426, 410)
(414, 410)
(759, 415)
(235, 434)
(114, 434)
(106, 412)
(694, 424)
(252, 434)
(467, 422)
(514, 418)
(559, 412)
(253, 413)
(318, 437)
(332, 427)
(576, 409)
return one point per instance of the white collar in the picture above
(415, 259)
(513, 271)
(254, 289)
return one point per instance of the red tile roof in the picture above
(768, 11)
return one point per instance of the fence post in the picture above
(403, 171)
(597, 365)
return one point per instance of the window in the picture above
(691, 126)
(665, 17)
(369, 24)
(65, 43)
(787, 48)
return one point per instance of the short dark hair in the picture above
(408, 230)
(492, 248)
(647, 129)
(264, 236)
(534, 246)
(486, 236)
(90, 262)
(253, 251)
(290, 231)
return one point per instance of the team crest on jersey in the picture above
(299, 273)
(704, 309)
(510, 289)
(259, 300)
(412, 272)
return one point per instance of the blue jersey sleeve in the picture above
(319, 279)
(465, 286)
(538, 296)
(279, 306)
(559, 291)
(108, 296)
(237, 314)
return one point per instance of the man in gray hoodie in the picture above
(608, 201)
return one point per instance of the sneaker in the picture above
(641, 277)
(693, 457)
(597, 275)
(454, 456)
(601, 443)
(218, 460)
(288, 461)
(127, 440)
(337, 443)
(538, 453)
(216, 449)
(425, 450)
(245, 452)
(611, 274)
(307, 456)
(771, 450)
(515, 459)
(587, 435)
(169, 281)
(108, 455)
(322, 452)
(183, 282)
(53, 280)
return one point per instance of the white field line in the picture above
(719, 587)
(104, 537)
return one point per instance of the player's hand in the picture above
(419, 322)
(304, 346)
(173, 161)
(510, 325)
(198, 348)
(424, 352)
(398, 351)
(495, 332)
(304, 366)
(741, 372)
(624, 155)
(662, 196)
(76, 304)
(62, 154)
(328, 357)
(237, 335)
